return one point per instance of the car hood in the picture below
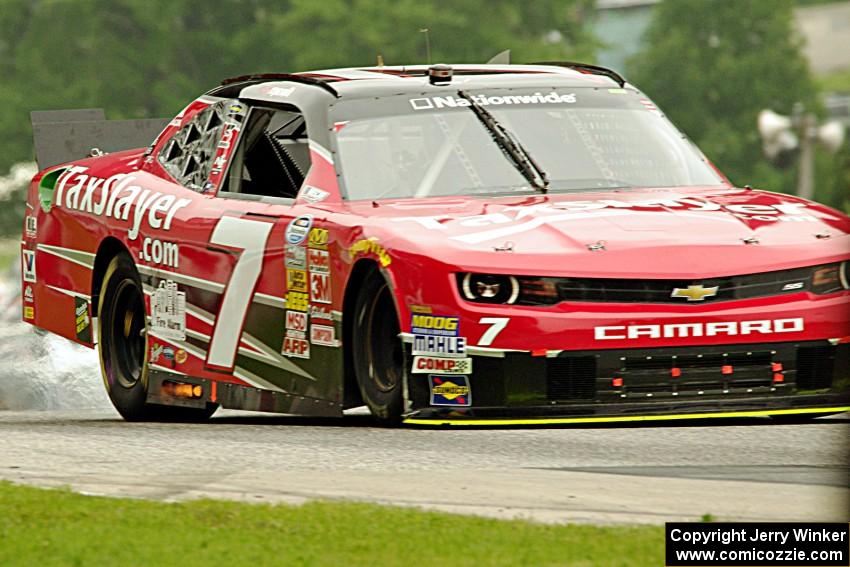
(693, 232)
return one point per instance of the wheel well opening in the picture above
(108, 249)
(362, 270)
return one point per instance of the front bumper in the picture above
(693, 382)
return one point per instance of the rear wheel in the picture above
(378, 353)
(123, 347)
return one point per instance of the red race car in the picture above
(467, 245)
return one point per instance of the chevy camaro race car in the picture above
(467, 245)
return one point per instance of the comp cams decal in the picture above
(712, 329)
(439, 365)
(118, 197)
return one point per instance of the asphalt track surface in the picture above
(735, 470)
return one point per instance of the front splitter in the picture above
(479, 422)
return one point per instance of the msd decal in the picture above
(437, 365)
(28, 265)
(118, 197)
(320, 288)
(685, 330)
(296, 321)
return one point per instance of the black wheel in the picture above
(123, 347)
(378, 353)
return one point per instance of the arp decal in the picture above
(370, 246)
(711, 329)
(450, 390)
(28, 265)
(439, 365)
(296, 280)
(296, 347)
(444, 325)
(431, 345)
(323, 335)
(168, 311)
(320, 288)
(298, 229)
(319, 261)
(82, 320)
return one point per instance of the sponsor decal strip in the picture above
(621, 418)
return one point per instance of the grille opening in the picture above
(815, 367)
(571, 378)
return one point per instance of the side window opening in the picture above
(273, 157)
(187, 156)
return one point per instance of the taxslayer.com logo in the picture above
(433, 102)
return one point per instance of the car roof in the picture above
(359, 82)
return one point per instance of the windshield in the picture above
(584, 139)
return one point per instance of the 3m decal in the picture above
(450, 390)
(160, 252)
(82, 320)
(298, 348)
(29, 312)
(168, 311)
(118, 197)
(439, 365)
(436, 102)
(250, 236)
(296, 321)
(323, 335)
(319, 261)
(443, 346)
(313, 194)
(370, 246)
(686, 330)
(298, 229)
(297, 300)
(296, 280)
(318, 238)
(30, 226)
(320, 287)
(444, 325)
(28, 265)
(296, 257)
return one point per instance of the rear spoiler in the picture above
(68, 135)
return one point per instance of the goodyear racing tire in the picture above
(378, 353)
(123, 347)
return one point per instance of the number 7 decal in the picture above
(251, 236)
(497, 325)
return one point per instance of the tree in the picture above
(712, 66)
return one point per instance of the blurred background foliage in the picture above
(710, 64)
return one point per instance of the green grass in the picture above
(58, 527)
(10, 250)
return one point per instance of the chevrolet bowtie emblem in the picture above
(694, 292)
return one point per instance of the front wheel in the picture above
(378, 352)
(123, 347)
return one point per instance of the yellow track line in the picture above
(626, 418)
